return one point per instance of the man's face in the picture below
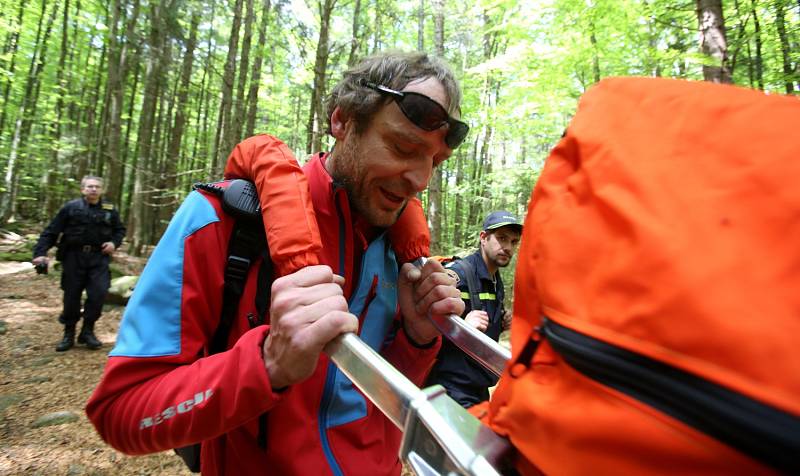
(91, 190)
(389, 162)
(499, 245)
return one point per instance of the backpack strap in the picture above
(246, 243)
(472, 283)
(244, 247)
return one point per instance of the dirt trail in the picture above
(36, 381)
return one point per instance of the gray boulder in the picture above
(121, 290)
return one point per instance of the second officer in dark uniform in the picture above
(464, 379)
(90, 230)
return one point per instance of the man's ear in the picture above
(339, 124)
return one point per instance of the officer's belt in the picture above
(84, 248)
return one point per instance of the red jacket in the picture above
(158, 393)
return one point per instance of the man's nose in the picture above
(419, 174)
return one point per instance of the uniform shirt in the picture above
(465, 379)
(82, 224)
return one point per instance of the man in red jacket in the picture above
(273, 403)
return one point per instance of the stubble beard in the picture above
(347, 172)
(500, 264)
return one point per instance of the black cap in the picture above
(500, 218)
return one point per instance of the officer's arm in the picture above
(50, 234)
(117, 229)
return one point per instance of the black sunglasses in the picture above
(425, 113)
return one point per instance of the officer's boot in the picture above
(69, 338)
(87, 336)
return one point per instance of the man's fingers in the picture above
(438, 284)
(308, 276)
(410, 273)
(329, 326)
(449, 305)
(287, 300)
(436, 288)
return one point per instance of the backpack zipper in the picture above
(763, 432)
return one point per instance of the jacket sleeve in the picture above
(50, 234)
(286, 206)
(157, 392)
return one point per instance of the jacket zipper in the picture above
(330, 375)
(763, 432)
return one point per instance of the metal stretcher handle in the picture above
(439, 436)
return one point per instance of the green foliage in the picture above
(523, 64)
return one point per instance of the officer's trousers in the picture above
(84, 270)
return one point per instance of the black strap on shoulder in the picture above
(472, 284)
(244, 246)
(246, 243)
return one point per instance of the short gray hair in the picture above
(394, 70)
(91, 177)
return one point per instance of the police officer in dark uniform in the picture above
(90, 230)
(466, 380)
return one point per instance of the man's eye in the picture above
(403, 151)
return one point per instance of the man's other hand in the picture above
(108, 248)
(424, 291)
(40, 260)
(507, 319)
(478, 319)
(307, 311)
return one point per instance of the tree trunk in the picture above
(244, 67)
(91, 123)
(458, 208)
(355, 40)
(10, 49)
(595, 54)
(435, 202)
(224, 142)
(255, 77)
(117, 74)
(377, 34)
(25, 116)
(139, 215)
(315, 115)
(421, 26)
(759, 69)
(49, 205)
(129, 173)
(780, 23)
(481, 168)
(712, 40)
(201, 153)
(176, 136)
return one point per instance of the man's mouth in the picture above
(393, 198)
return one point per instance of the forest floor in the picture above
(36, 381)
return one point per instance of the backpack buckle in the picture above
(236, 270)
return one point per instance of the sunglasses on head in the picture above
(425, 113)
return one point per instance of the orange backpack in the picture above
(656, 323)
